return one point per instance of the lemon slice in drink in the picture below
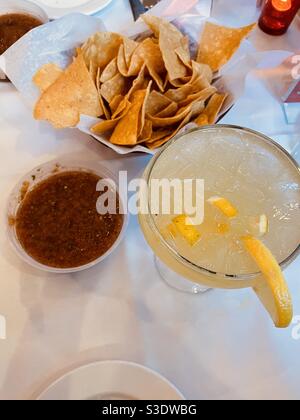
(172, 230)
(186, 229)
(271, 288)
(223, 228)
(224, 206)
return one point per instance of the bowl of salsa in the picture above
(53, 218)
(17, 17)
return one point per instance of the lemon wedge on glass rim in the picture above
(271, 287)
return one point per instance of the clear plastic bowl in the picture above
(41, 173)
(23, 6)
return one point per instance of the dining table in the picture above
(220, 345)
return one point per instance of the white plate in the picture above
(58, 8)
(111, 380)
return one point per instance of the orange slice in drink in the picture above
(224, 206)
(271, 288)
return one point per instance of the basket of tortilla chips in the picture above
(141, 90)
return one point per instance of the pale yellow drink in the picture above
(257, 176)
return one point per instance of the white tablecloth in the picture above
(219, 345)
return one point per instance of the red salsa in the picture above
(58, 224)
(13, 26)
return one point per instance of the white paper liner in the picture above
(56, 41)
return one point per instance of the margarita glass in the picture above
(250, 170)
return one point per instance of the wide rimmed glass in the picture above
(185, 275)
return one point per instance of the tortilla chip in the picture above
(203, 95)
(126, 132)
(202, 120)
(104, 109)
(201, 77)
(72, 94)
(197, 107)
(93, 70)
(164, 122)
(183, 52)
(107, 125)
(213, 108)
(153, 22)
(149, 53)
(129, 47)
(115, 103)
(158, 143)
(169, 111)
(218, 44)
(113, 87)
(143, 111)
(152, 56)
(156, 103)
(136, 63)
(202, 71)
(166, 82)
(146, 133)
(121, 63)
(121, 107)
(194, 109)
(101, 48)
(158, 135)
(46, 76)
(158, 80)
(170, 40)
(110, 71)
(138, 83)
(199, 81)
(180, 82)
(178, 95)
